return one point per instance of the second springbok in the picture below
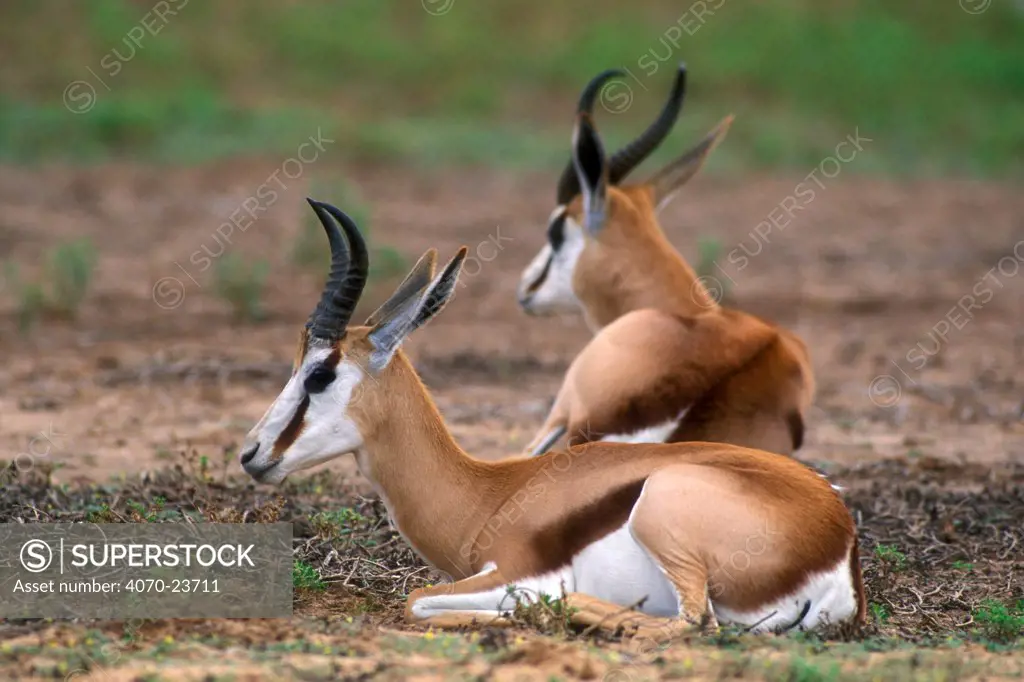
(667, 363)
(691, 534)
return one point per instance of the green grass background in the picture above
(939, 90)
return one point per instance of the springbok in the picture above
(688, 533)
(666, 363)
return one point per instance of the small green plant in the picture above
(963, 565)
(63, 285)
(880, 612)
(100, 514)
(542, 612)
(306, 577)
(140, 513)
(241, 285)
(31, 304)
(1000, 623)
(70, 270)
(890, 556)
(344, 521)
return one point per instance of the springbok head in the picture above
(341, 373)
(602, 231)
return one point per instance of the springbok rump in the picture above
(667, 363)
(693, 534)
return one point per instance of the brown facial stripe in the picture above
(292, 431)
(535, 284)
(334, 358)
(556, 237)
(559, 542)
(556, 232)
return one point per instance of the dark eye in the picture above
(556, 232)
(319, 379)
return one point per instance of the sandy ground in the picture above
(915, 380)
(872, 274)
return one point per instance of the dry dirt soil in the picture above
(872, 274)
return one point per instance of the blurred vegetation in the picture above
(938, 90)
(241, 284)
(61, 287)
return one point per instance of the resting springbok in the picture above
(667, 363)
(688, 532)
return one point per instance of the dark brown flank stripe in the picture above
(292, 431)
(333, 359)
(559, 542)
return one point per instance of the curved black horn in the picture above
(569, 184)
(349, 267)
(630, 156)
(339, 260)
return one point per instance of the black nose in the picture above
(247, 456)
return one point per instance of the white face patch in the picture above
(326, 430)
(546, 285)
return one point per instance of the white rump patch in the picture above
(830, 593)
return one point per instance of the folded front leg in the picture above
(485, 599)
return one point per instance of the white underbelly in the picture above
(618, 570)
(615, 569)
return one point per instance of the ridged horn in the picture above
(633, 154)
(349, 268)
(568, 184)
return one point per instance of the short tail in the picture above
(799, 619)
(857, 579)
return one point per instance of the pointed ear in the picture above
(412, 312)
(417, 280)
(592, 171)
(669, 179)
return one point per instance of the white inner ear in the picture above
(389, 334)
(593, 206)
(666, 199)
